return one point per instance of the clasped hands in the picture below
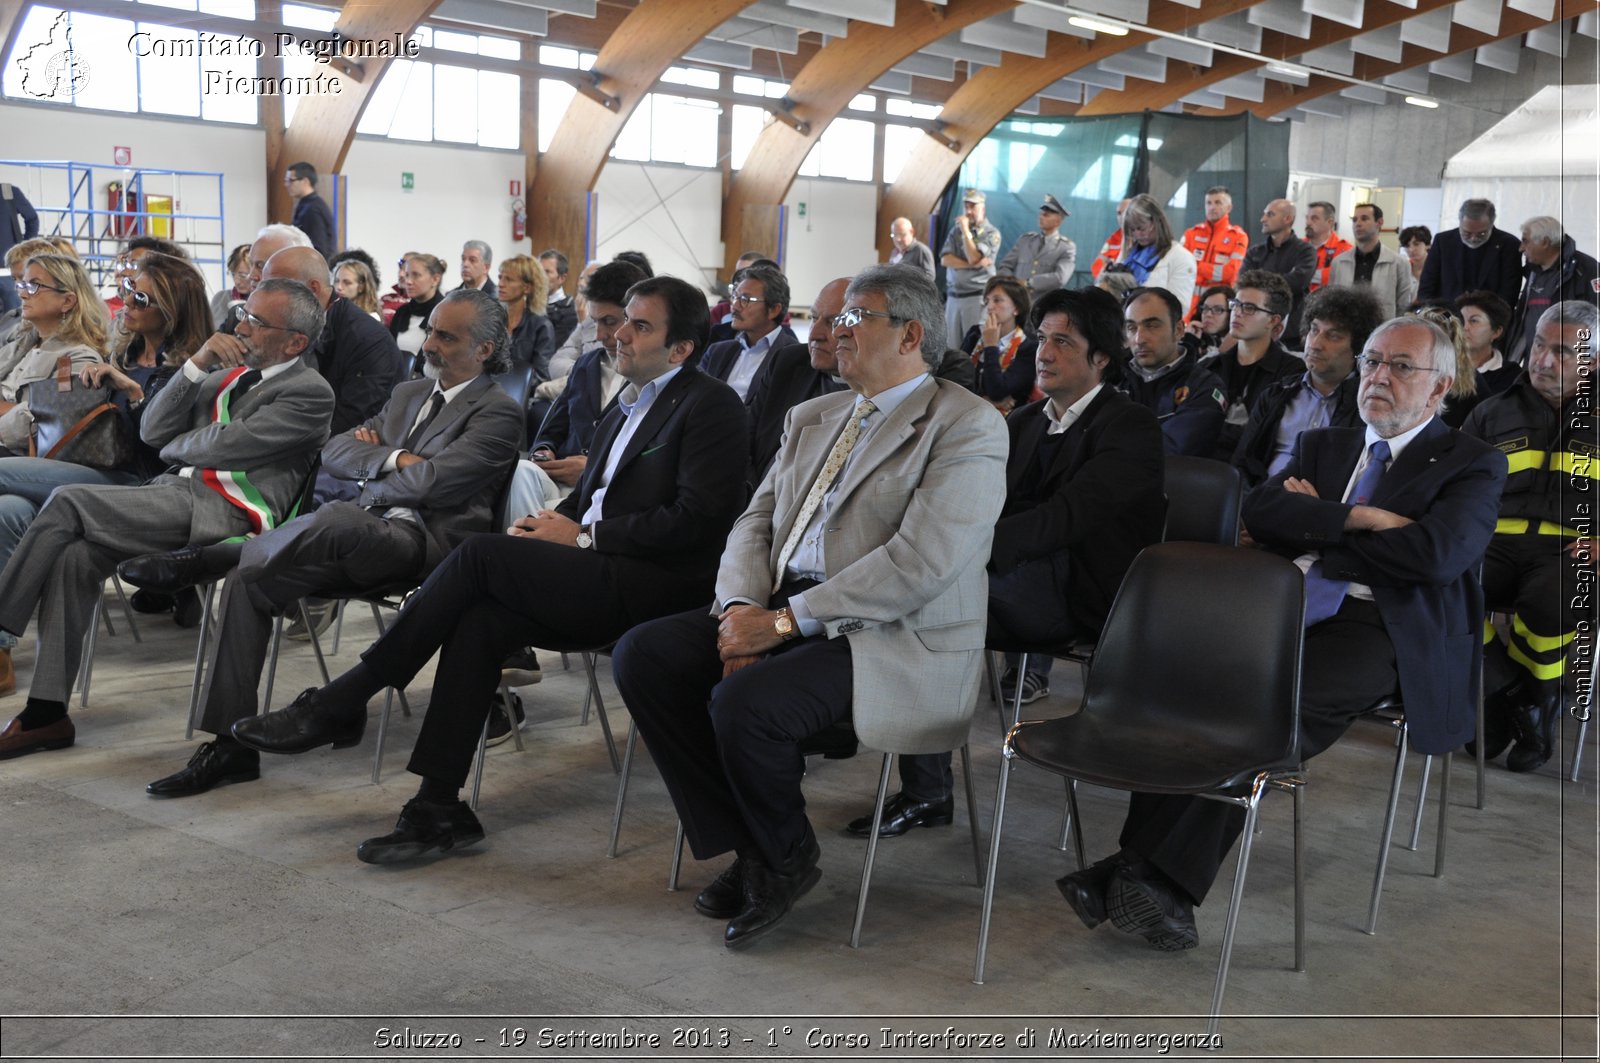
(547, 526)
(745, 634)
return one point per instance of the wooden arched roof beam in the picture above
(10, 20)
(1280, 97)
(995, 92)
(324, 125)
(653, 36)
(1148, 95)
(824, 87)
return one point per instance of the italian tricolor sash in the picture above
(230, 484)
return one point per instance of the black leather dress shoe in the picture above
(770, 893)
(1535, 724)
(1086, 890)
(1499, 728)
(1140, 902)
(724, 898)
(166, 573)
(422, 828)
(212, 765)
(901, 813)
(301, 727)
(150, 602)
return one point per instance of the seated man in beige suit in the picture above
(852, 590)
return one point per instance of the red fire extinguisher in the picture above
(519, 221)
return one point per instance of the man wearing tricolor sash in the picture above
(239, 429)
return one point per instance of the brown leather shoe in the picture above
(8, 677)
(15, 742)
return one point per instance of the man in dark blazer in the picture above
(240, 439)
(311, 213)
(1390, 523)
(431, 466)
(760, 302)
(1083, 497)
(794, 373)
(639, 538)
(1473, 257)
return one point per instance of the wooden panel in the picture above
(993, 93)
(643, 45)
(568, 226)
(822, 89)
(324, 126)
(762, 225)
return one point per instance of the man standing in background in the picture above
(969, 257)
(311, 213)
(1044, 259)
(908, 250)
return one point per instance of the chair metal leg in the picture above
(338, 627)
(86, 667)
(972, 812)
(383, 733)
(566, 665)
(1444, 815)
(207, 596)
(605, 729)
(511, 716)
(1388, 832)
(1234, 901)
(1478, 750)
(1299, 878)
(1077, 823)
(483, 755)
(622, 789)
(316, 643)
(272, 657)
(594, 687)
(1016, 695)
(677, 860)
(127, 609)
(872, 851)
(993, 676)
(383, 629)
(1422, 799)
(994, 863)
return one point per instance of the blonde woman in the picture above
(1150, 251)
(62, 315)
(16, 258)
(523, 288)
(354, 281)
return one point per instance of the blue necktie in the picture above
(1324, 595)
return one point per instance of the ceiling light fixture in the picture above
(1422, 101)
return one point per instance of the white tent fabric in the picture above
(1539, 159)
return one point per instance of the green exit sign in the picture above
(408, 181)
(801, 208)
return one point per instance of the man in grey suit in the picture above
(240, 430)
(851, 591)
(430, 467)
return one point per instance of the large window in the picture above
(843, 150)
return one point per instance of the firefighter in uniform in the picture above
(1541, 562)
(1043, 260)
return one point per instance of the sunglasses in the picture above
(133, 296)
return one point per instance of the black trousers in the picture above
(1348, 665)
(733, 767)
(1540, 582)
(1027, 607)
(493, 594)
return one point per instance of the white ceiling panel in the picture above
(1382, 44)
(1234, 31)
(494, 14)
(1066, 90)
(892, 81)
(756, 34)
(1335, 57)
(877, 12)
(1430, 30)
(717, 53)
(581, 8)
(1028, 106)
(1098, 78)
(1345, 12)
(1501, 55)
(1136, 63)
(1365, 93)
(1480, 15)
(1242, 87)
(1414, 81)
(1551, 39)
(1206, 98)
(780, 14)
(1328, 106)
(1287, 75)
(1545, 9)
(1457, 67)
(1283, 16)
(953, 48)
(1129, 10)
(928, 66)
(1006, 35)
(1196, 52)
(1589, 23)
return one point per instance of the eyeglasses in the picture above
(1244, 309)
(1399, 370)
(746, 299)
(246, 317)
(133, 296)
(32, 287)
(852, 317)
(1214, 308)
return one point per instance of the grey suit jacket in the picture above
(271, 437)
(907, 539)
(470, 449)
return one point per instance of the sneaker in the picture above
(521, 669)
(499, 724)
(321, 620)
(1034, 687)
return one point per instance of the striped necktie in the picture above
(830, 470)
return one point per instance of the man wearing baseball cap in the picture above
(968, 257)
(1044, 259)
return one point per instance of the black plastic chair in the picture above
(1215, 715)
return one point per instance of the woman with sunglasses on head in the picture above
(164, 319)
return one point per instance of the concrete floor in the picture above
(249, 901)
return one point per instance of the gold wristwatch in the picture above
(783, 625)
